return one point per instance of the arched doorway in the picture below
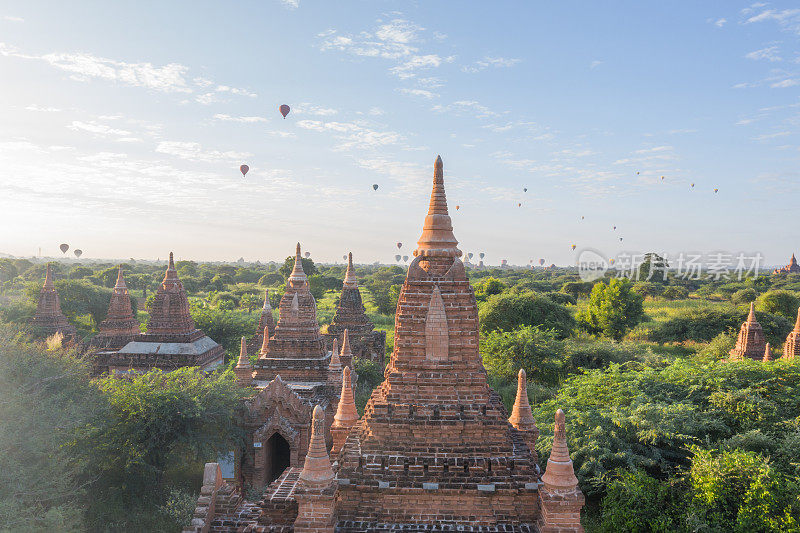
(278, 455)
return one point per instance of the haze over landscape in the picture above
(125, 125)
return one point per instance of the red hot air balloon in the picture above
(284, 109)
(458, 207)
(64, 247)
(399, 245)
(244, 169)
(78, 253)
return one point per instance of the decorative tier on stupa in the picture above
(172, 340)
(750, 342)
(120, 326)
(791, 348)
(350, 315)
(791, 268)
(293, 373)
(48, 318)
(434, 446)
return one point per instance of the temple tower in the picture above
(434, 446)
(522, 416)
(243, 369)
(792, 347)
(120, 326)
(351, 316)
(750, 342)
(317, 489)
(346, 413)
(48, 317)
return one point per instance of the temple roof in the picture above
(437, 237)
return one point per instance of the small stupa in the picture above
(751, 342)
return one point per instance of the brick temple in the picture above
(751, 342)
(171, 341)
(435, 449)
(791, 349)
(350, 315)
(120, 326)
(791, 268)
(48, 318)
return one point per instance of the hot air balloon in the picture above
(64, 247)
(573, 246)
(344, 257)
(458, 207)
(244, 169)
(284, 109)
(716, 191)
(77, 253)
(662, 178)
(519, 205)
(308, 254)
(470, 255)
(620, 239)
(541, 262)
(524, 189)
(374, 186)
(615, 228)
(582, 218)
(692, 185)
(481, 255)
(611, 260)
(637, 172)
(405, 258)
(399, 245)
(397, 258)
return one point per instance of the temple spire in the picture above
(317, 469)
(560, 473)
(346, 413)
(267, 306)
(265, 341)
(797, 324)
(522, 416)
(751, 317)
(48, 279)
(244, 370)
(346, 351)
(336, 363)
(298, 274)
(120, 280)
(171, 273)
(768, 354)
(437, 237)
(350, 275)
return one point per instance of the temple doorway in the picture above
(278, 457)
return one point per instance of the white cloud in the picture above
(193, 151)
(498, 62)
(594, 64)
(461, 107)
(312, 109)
(291, 4)
(417, 92)
(720, 22)
(789, 82)
(352, 135)
(768, 136)
(787, 19)
(10, 18)
(770, 53)
(234, 90)
(101, 130)
(228, 118)
(42, 109)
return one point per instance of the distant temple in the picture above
(791, 268)
(172, 340)
(48, 318)
(751, 342)
(120, 326)
(435, 449)
(351, 316)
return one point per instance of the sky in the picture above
(123, 126)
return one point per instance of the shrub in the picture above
(784, 303)
(613, 309)
(744, 296)
(675, 293)
(509, 311)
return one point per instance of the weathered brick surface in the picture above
(48, 317)
(751, 342)
(791, 348)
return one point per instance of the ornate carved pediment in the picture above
(456, 272)
(278, 393)
(415, 271)
(277, 424)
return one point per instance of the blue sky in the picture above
(122, 127)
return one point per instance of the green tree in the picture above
(80, 272)
(613, 309)
(637, 502)
(288, 265)
(653, 268)
(510, 310)
(577, 288)
(780, 302)
(744, 296)
(249, 302)
(78, 297)
(488, 287)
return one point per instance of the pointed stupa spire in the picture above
(768, 354)
(793, 261)
(751, 317)
(350, 275)
(437, 237)
(346, 351)
(244, 370)
(171, 273)
(797, 324)
(120, 280)
(560, 473)
(265, 341)
(522, 416)
(267, 306)
(346, 413)
(48, 279)
(317, 469)
(336, 363)
(298, 274)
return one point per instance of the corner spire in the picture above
(346, 351)
(317, 470)
(265, 341)
(350, 280)
(346, 413)
(560, 473)
(522, 416)
(336, 363)
(797, 324)
(244, 370)
(437, 237)
(768, 354)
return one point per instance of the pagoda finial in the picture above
(265, 341)
(48, 279)
(560, 473)
(346, 413)
(317, 469)
(350, 275)
(751, 317)
(767, 354)
(336, 363)
(298, 274)
(120, 280)
(171, 273)
(522, 416)
(267, 306)
(437, 237)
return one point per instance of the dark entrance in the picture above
(278, 456)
